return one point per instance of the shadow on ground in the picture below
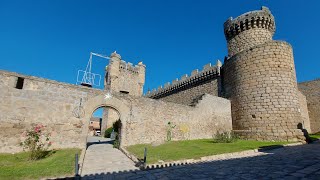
(296, 162)
(98, 140)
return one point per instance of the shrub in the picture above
(116, 142)
(117, 128)
(108, 132)
(36, 142)
(225, 137)
(117, 125)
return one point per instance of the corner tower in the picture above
(260, 79)
(123, 77)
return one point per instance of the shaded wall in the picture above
(311, 90)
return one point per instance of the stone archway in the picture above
(121, 105)
(102, 119)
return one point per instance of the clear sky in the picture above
(53, 39)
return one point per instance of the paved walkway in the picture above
(298, 162)
(101, 157)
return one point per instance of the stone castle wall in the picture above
(249, 30)
(150, 120)
(40, 101)
(144, 120)
(311, 90)
(263, 92)
(245, 41)
(305, 121)
(259, 78)
(189, 89)
(190, 95)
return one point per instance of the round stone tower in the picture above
(259, 78)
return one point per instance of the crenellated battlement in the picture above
(123, 76)
(127, 66)
(262, 19)
(196, 77)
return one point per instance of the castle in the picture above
(254, 93)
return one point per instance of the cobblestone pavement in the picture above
(296, 162)
(102, 157)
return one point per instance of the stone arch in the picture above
(121, 105)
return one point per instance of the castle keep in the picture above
(254, 93)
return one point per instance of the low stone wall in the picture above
(311, 90)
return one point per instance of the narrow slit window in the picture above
(20, 82)
(124, 92)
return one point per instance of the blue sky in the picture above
(53, 39)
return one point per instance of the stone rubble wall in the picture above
(311, 90)
(144, 120)
(41, 101)
(149, 122)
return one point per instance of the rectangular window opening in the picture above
(124, 92)
(20, 82)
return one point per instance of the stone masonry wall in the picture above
(248, 39)
(188, 96)
(149, 122)
(144, 120)
(263, 91)
(124, 76)
(304, 112)
(248, 30)
(40, 101)
(189, 89)
(311, 90)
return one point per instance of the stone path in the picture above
(297, 162)
(101, 157)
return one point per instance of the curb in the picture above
(218, 157)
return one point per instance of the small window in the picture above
(124, 92)
(20, 82)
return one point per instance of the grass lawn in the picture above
(17, 166)
(314, 137)
(193, 149)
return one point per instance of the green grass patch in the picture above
(194, 149)
(314, 137)
(56, 163)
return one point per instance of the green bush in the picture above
(108, 132)
(116, 142)
(117, 125)
(225, 137)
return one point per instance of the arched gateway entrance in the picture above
(102, 121)
(118, 104)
